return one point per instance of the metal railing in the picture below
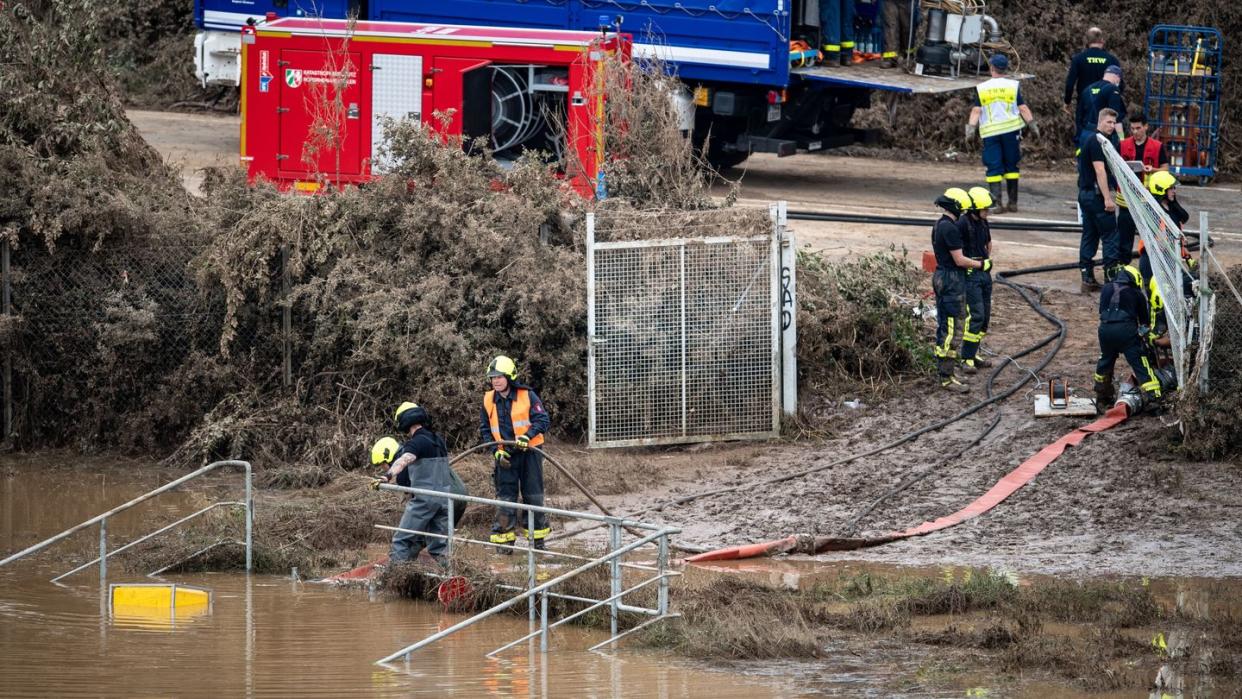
(102, 521)
(658, 536)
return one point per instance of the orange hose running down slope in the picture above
(1012, 481)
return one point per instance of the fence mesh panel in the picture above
(684, 334)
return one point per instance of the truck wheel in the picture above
(721, 160)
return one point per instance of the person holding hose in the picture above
(977, 245)
(513, 412)
(1124, 314)
(949, 282)
(422, 462)
(998, 116)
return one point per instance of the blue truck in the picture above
(734, 57)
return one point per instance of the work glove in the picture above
(987, 265)
(971, 131)
(375, 482)
(1033, 128)
(522, 442)
(502, 458)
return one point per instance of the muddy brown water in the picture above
(273, 636)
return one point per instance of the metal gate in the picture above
(684, 339)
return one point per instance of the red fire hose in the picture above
(1005, 487)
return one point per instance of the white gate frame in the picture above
(781, 296)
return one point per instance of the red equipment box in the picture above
(314, 92)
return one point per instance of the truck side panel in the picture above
(732, 41)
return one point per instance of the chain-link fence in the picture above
(99, 340)
(684, 330)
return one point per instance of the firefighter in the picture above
(513, 412)
(1124, 314)
(1086, 67)
(896, 15)
(998, 115)
(837, 22)
(1102, 94)
(977, 245)
(1163, 186)
(949, 282)
(1155, 158)
(422, 462)
(1097, 200)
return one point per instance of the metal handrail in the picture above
(141, 539)
(659, 536)
(608, 558)
(102, 520)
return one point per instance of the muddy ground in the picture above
(1122, 503)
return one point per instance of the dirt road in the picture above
(1121, 503)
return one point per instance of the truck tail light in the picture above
(701, 96)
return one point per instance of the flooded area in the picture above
(266, 635)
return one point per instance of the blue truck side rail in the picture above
(724, 41)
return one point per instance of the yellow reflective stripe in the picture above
(832, 47)
(538, 533)
(1013, 175)
(1100, 378)
(889, 54)
(972, 337)
(847, 44)
(995, 178)
(946, 348)
(503, 538)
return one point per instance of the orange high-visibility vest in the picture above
(519, 415)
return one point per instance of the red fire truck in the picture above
(316, 92)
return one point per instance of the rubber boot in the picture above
(540, 546)
(948, 381)
(832, 58)
(847, 57)
(1012, 185)
(1105, 396)
(995, 188)
(1089, 284)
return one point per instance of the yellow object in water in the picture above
(157, 605)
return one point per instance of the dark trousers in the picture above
(1122, 338)
(950, 288)
(1126, 231)
(422, 514)
(1099, 228)
(1001, 155)
(837, 23)
(896, 17)
(523, 478)
(978, 311)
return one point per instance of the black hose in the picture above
(996, 224)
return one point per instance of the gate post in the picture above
(7, 303)
(789, 309)
(590, 270)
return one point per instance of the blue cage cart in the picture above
(1182, 102)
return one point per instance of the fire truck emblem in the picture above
(293, 77)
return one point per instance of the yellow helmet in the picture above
(1161, 182)
(1133, 274)
(955, 200)
(980, 198)
(384, 450)
(502, 366)
(402, 408)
